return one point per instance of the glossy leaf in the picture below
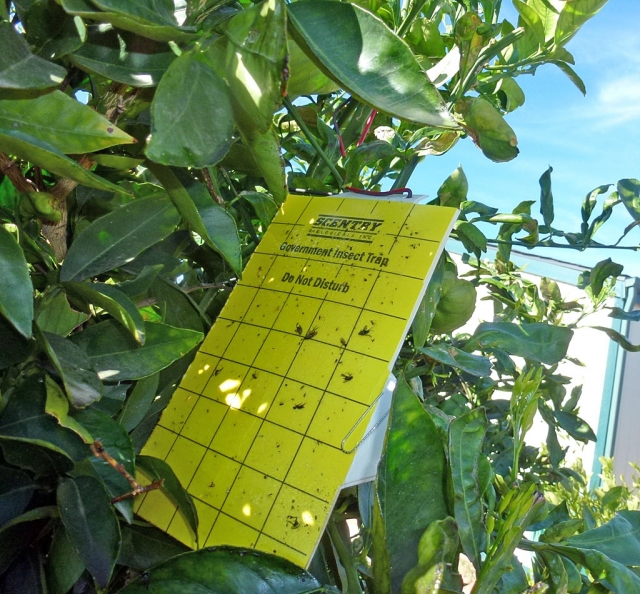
(41, 461)
(427, 310)
(573, 16)
(16, 490)
(91, 525)
(618, 539)
(466, 434)
(50, 158)
(572, 75)
(119, 236)
(305, 77)
(16, 289)
(263, 204)
(62, 122)
(265, 149)
(177, 308)
(189, 94)
(368, 60)
(629, 192)
(366, 155)
(80, 379)
(64, 567)
(454, 189)
(206, 218)
(19, 68)
(150, 18)
(256, 55)
(450, 355)
(142, 63)
(226, 570)
(157, 469)
(55, 315)
(537, 341)
(601, 272)
(24, 419)
(48, 29)
(116, 356)
(146, 546)
(575, 426)
(112, 301)
(20, 349)
(118, 445)
(546, 197)
(57, 405)
(138, 402)
(411, 482)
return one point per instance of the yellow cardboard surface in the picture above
(302, 349)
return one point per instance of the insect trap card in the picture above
(266, 423)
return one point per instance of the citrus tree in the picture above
(144, 148)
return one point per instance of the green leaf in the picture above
(424, 316)
(574, 14)
(454, 189)
(49, 30)
(366, 155)
(119, 236)
(20, 349)
(226, 570)
(263, 204)
(150, 18)
(621, 314)
(190, 93)
(265, 149)
(537, 341)
(141, 63)
(572, 75)
(138, 402)
(256, 57)
(80, 379)
(305, 77)
(368, 60)
(20, 69)
(629, 192)
(472, 238)
(112, 301)
(411, 482)
(488, 129)
(91, 524)
(510, 94)
(55, 315)
(546, 198)
(118, 445)
(57, 405)
(64, 567)
(16, 490)
(63, 122)
(466, 434)
(574, 426)
(16, 289)
(450, 355)
(50, 158)
(618, 539)
(157, 469)
(42, 462)
(176, 307)
(24, 419)
(206, 218)
(601, 272)
(116, 356)
(21, 532)
(146, 546)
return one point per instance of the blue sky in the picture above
(589, 141)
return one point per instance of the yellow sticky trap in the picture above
(285, 383)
